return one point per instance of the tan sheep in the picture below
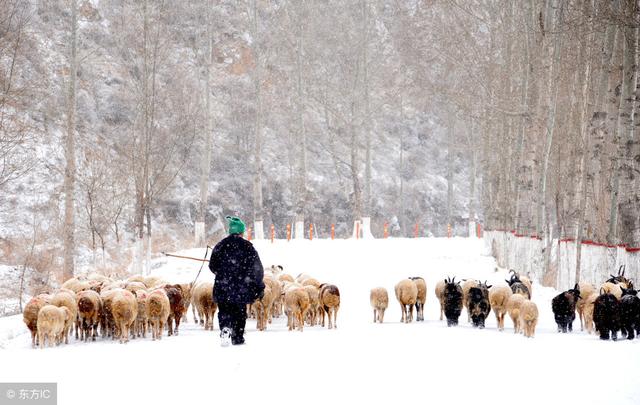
(140, 325)
(285, 277)
(296, 303)
(67, 299)
(262, 308)
(205, 304)
(528, 317)
(440, 295)
(586, 289)
(407, 295)
(133, 286)
(526, 281)
(124, 308)
(329, 303)
(89, 309)
(153, 282)
(421, 298)
(314, 304)
(157, 307)
(276, 292)
(587, 311)
(514, 304)
(30, 314)
(466, 286)
(51, 324)
(498, 298)
(107, 326)
(379, 299)
(311, 281)
(611, 288)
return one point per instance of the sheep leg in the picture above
(335, 317)
(375, 316)
(381, 314)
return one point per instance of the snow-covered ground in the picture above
(390, 363)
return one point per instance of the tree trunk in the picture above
(258, 214)
(450, 143)
(629, 198)
(200, 224)
(70, 154)
(301, 206)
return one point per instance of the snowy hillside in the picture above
(390, 363)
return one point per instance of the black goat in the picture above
(452, 301)
(630, 313)
(517, 286)
(478, 304)
(564, 308)
(606, 315)
(620, 278)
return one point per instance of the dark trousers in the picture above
(234, 317)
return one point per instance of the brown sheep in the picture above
(89, 308)
(586, 289)
(174, 293)
(421, 298)
(205, 304)
(514, 304)
(587, 311)
(262, 307)
(296, 302)
(68, 299)
(30, 314)
(124, 308)
(314, 304)
(498, 297)
(407, 295)
(329, 303)
(379, 299)
(466, 286)
(440, 295)
(187, 289)
(51, 324)
(528, 317)
(157, 307)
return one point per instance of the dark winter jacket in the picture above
(238, 271)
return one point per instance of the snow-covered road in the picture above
(359, 362)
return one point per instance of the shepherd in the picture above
(239, 281)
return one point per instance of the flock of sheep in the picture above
(97, 305)
(614, 307)
(477, 297)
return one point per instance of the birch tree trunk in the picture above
(450, 143)
(366, 220)
(551, 103)
(70, 154)
(302, 192)
(629, 199)
(473, 149)
(200, 225)
(258, 211)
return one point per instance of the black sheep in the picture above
(564, 308)
(517, 286)
(452, 301)
(606, 315)
(478, 304)
(630, 313)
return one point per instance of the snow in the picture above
(378, 363)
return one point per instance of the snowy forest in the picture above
(126, 123)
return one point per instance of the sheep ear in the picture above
(489, 286)
(576, 287)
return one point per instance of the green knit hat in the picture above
(235, 225)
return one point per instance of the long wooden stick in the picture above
(185, 257)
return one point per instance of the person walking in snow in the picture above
(239, 281)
